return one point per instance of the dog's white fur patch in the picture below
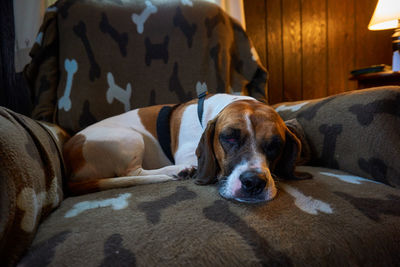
(251, 132)
(307, 203)
(352, 179)
(292, 108)
(117, 203)
(232, 182)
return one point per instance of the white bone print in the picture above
(292, 108)
(71, 66)
(187, 2)
(31, 203)
(348, 178)
(51, 9)
(254, 54)
(117, 203)
(39, 38)
(116, 92)
(139, 20)
(306, 203)
(201, 88)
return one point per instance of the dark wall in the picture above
(14, 93)
(310, 46)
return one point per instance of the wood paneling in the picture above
(310, 46)
(341, 45)
(274, 50)
(292, 46)
(314, 48)
(256, 27)
(371, 46)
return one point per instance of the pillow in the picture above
(356, 131)
(116, 56)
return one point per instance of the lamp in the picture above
(387, 16)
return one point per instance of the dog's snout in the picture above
(253, 182)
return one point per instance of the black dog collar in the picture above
(164, 132)
(201, 94)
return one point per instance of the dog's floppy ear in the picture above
(207, 165)
(285, 167)
(295, 127)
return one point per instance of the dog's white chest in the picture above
(189, 136)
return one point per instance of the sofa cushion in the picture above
(333, 219)
(115, 56)
(30, 181)
(356, 131)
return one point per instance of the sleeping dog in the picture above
(236, 140)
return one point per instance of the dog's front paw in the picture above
(187, 173)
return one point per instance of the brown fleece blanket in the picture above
(334, 219)
(30, 180)
(357, 131)
(96, 59)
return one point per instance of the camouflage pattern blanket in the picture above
(334, 219)
(357, 131)
(31, 174)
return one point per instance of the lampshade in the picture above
(386, 15)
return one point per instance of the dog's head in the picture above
(244, 147)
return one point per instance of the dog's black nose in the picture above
(252, 182)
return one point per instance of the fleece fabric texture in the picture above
(356, 131)
(31, 174)
(334, 219)
(96, 59)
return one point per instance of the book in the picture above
(371, 69)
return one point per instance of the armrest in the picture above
(31, 174)
(356, 131)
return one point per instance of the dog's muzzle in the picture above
(250, 186)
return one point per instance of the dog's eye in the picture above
(272, 148)
(231, 138)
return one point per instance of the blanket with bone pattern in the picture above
(95, 59)
(356, 131)
(334, 219)
(30, 180)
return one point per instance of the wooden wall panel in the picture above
(371, 46)
(256, 27)
(312, 45)
(274, 50)
(341, 45)
(292, 46)
(314, 49)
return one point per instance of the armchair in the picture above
(95, 59)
